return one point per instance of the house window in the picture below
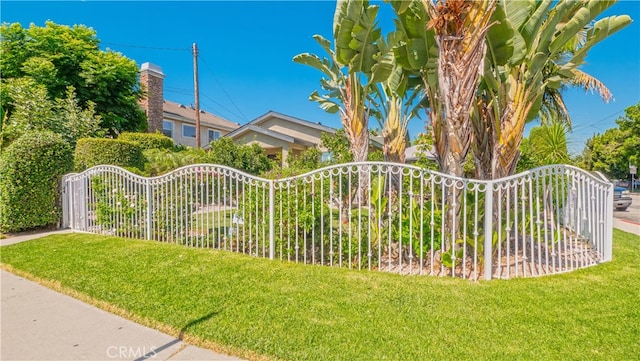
(167, 128)
(326, 156)
(188, 131)
(213, 135)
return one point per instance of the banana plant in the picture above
(351, 70)
(553, 107)
(395, 101)
(350, 74)
(444, 44)
(525, 40)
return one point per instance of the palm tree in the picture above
(396, 101)
(527, 40)
(553, 107)
(448, 54)
(350, 73)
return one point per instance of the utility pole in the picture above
(197, 93)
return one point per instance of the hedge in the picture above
(97, 151)
(148, 140)
(30, 172)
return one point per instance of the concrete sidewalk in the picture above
(627, 226)
(40, 324)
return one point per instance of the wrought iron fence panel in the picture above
(370, 215)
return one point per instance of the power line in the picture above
(179, 91)
(593, 124)
(147, 47)
(223, 90)
(182, 91)
(223, 107)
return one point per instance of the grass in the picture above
(261, 309)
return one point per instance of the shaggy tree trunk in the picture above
(460, 28)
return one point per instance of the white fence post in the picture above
(488, 230)
(272, 212)
(149, 208)
(65, 203)
(607, 252)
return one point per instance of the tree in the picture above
(32, 110)
(443, 41)
(58, 56)
(338, 146)
(351, 70)
(531, 52)
(526, 40)
(546, 144)
(460, 28)
(350, 73)
(613, 151)
(247, 158)
(396, 100)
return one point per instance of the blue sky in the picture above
(246, 50)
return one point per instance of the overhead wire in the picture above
(593, 124)
(145, 47)
(183, 91)
(244, 117)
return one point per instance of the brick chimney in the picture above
(151, 78)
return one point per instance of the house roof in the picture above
(271, 114)
(277, 135)
(186, 114)
(254, 126)
(411, 153)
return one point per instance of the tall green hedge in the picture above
(97, 151)
(148, 140)
(30, 172)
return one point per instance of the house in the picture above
(280, 135)
(175, 120)
(412, 153)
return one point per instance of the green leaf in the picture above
(601, 30)
(314, 61)
(578, 21)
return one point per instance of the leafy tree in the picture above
(57, 56)
(34, 111)
(527, 57)
(337, 145)
(613, 151)
(531, 50)
(248, 158)
(306, 161)
(424, 145)
(546, 144)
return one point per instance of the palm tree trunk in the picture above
(460, 29)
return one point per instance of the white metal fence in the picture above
(407, 220)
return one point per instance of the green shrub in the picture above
(30, 172)
(247, 158)
(96, 151)
(148, 140)
(161, 161)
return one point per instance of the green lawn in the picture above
(253, 307)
